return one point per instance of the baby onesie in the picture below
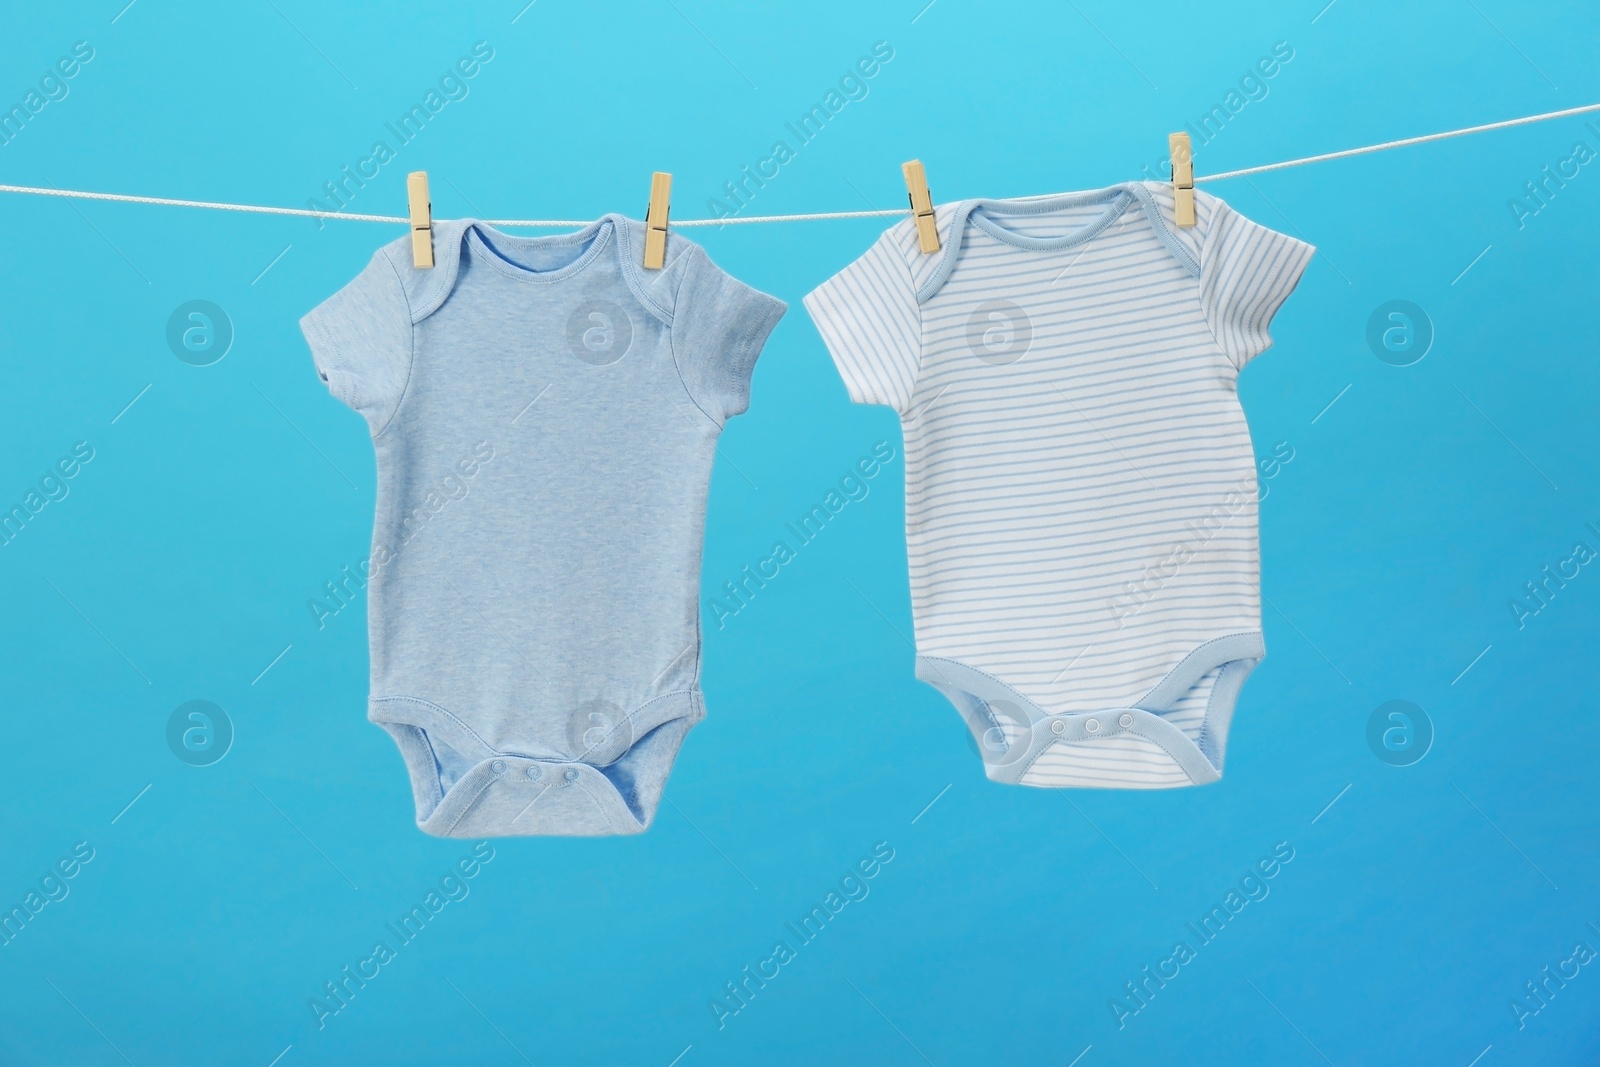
(545, 413)
(1080, 483)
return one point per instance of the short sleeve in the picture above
(360, 340)
(869, 318)
(1246, 273)
(719, 326)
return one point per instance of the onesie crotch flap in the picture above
(1173, 736)
(463, 787)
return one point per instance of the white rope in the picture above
(255, 209)
(732, 220)
(1526, 120)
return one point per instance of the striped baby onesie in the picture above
(1080, 483)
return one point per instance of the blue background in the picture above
(221, 898)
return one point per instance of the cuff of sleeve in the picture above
(1295, 264)
(1300, 254)
(325, 355)
(1296, 257)
(837, 340)
(741, 363)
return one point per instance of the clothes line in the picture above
(259, 209)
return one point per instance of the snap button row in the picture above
(1059, 726)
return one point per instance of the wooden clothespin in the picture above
(655, 220)
(1182, 178)
(421, 209)
(921, 205)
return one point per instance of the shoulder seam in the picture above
(672, 337)
(630, 274)
(949, 249)
(916, 301)
(1164, 233)
(411, 345)
(440, 279)
(1217, 207)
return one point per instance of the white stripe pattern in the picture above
(1080, 482)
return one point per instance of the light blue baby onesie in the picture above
(1080, 483)
(545, 414)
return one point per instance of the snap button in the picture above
(498, 766)
(1093, 726)
(571, 774)
(1125, 720)
(534, 773)
(1058, 727)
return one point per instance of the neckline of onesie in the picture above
(1116, 197)
(484, 239)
